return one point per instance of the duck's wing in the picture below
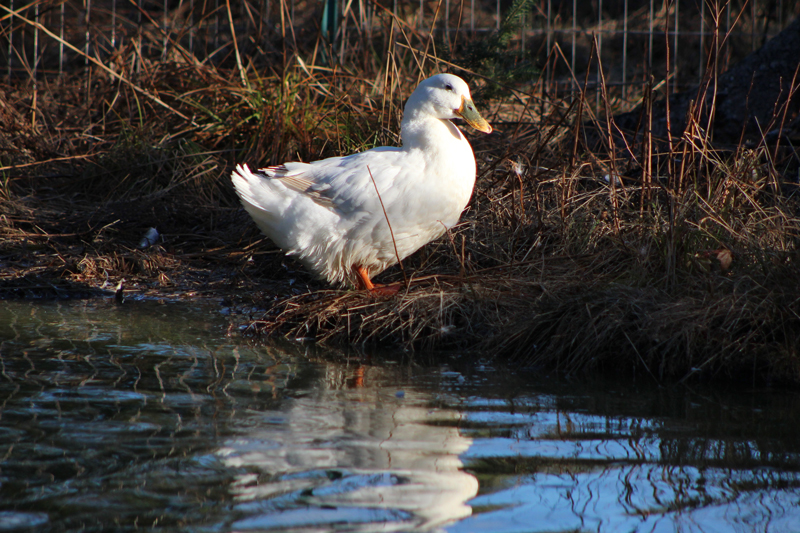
(297, 177)
(346, 184)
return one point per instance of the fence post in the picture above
(61, 44)
(625, 50)
(10, 40)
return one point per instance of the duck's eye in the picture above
(448, 87)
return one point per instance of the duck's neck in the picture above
(422, 131)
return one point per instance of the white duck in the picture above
(349, 218)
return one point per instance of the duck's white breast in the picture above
(426, 196)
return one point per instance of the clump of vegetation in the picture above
(584, 249)
(491, 57)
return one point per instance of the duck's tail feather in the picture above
(293, 221)
(263, 199)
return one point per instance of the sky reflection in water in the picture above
(150, 416)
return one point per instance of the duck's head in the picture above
(446, 96)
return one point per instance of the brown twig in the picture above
(391, 232)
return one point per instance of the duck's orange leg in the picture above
(364, 282)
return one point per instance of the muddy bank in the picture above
(571, 314)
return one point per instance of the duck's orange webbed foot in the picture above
(365, 284)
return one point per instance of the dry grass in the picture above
(582, 250)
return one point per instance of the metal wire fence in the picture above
(631, 38)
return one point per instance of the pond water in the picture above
(157, 416)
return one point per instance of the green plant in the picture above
(492, 57)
